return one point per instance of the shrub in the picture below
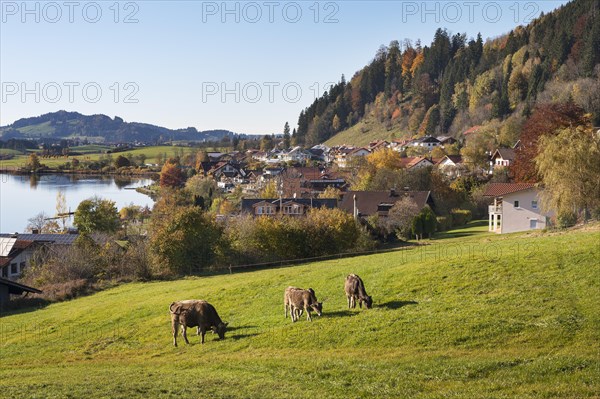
(566, 219)
(444, 223)
(460, 217)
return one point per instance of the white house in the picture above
(428, 142)
(452, 166)
(344, 156)
(516, 208)
(502, 157)
(296, 154)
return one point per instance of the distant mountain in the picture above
(454, 83)
(101, 128)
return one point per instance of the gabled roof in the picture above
(428, 139)
(61, 239)
(248, 204)
(472, 130)
(500, 189)
(368, 202)
(505, 153)
(455, 159)
(16, 288)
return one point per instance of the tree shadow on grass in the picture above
(396, 304)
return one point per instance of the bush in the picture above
(444, 223)
(567, 219)
(460, 217)
(270, 239)
(81, 268)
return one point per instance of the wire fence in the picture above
(295, 262)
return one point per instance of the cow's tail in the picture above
(174, 309)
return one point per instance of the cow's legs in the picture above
(184, 333)
(202, 331)
(348, 298)
(175, 328)
(307, 313)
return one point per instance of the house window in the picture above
(21, 267)
(533, 223)
(264, 210)
(516, 204)
(292, 210)
(5, 271)
(13, 268)
(534, 204)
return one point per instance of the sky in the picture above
(245, 66)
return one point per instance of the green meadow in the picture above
(470, 315)
(95, 152)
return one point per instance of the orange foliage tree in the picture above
(172, 175)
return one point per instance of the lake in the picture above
(22, 197)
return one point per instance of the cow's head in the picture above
(220, 329)
(317, 307)
(368, 301)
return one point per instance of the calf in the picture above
(298, 300)
(195, 313)
(355, 289)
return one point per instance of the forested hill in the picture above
(102, 128)
(458, 82)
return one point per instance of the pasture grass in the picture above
(152, 154)
(467, 316)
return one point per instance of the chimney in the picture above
(392, 192)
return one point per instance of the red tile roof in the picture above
(471, 130)
(500, 189)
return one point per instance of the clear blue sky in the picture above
(244, 66)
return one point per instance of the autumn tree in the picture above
(330, 192)
(97, 215)
(171, 174)
(545, 120)
(570, 171)
(400, 217)
(384, 158)
(184, 241)
(121, 162)
(33, 162)
(203, 189)
(269, 190)
(42, 224)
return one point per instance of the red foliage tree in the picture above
(545, 119)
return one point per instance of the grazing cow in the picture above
(355, 289)
(195, 313)
(298, 300)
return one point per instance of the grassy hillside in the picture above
(474, 316)
(367, 130)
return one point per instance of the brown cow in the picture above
(355, 289)
(298, 299)
(195, 313)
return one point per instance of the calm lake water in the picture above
(22, 197)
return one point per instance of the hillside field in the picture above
(472, 315)
(152, 153)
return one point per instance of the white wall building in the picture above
(517, 207)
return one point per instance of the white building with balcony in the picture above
(516, 208)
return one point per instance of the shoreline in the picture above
(154, 175)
